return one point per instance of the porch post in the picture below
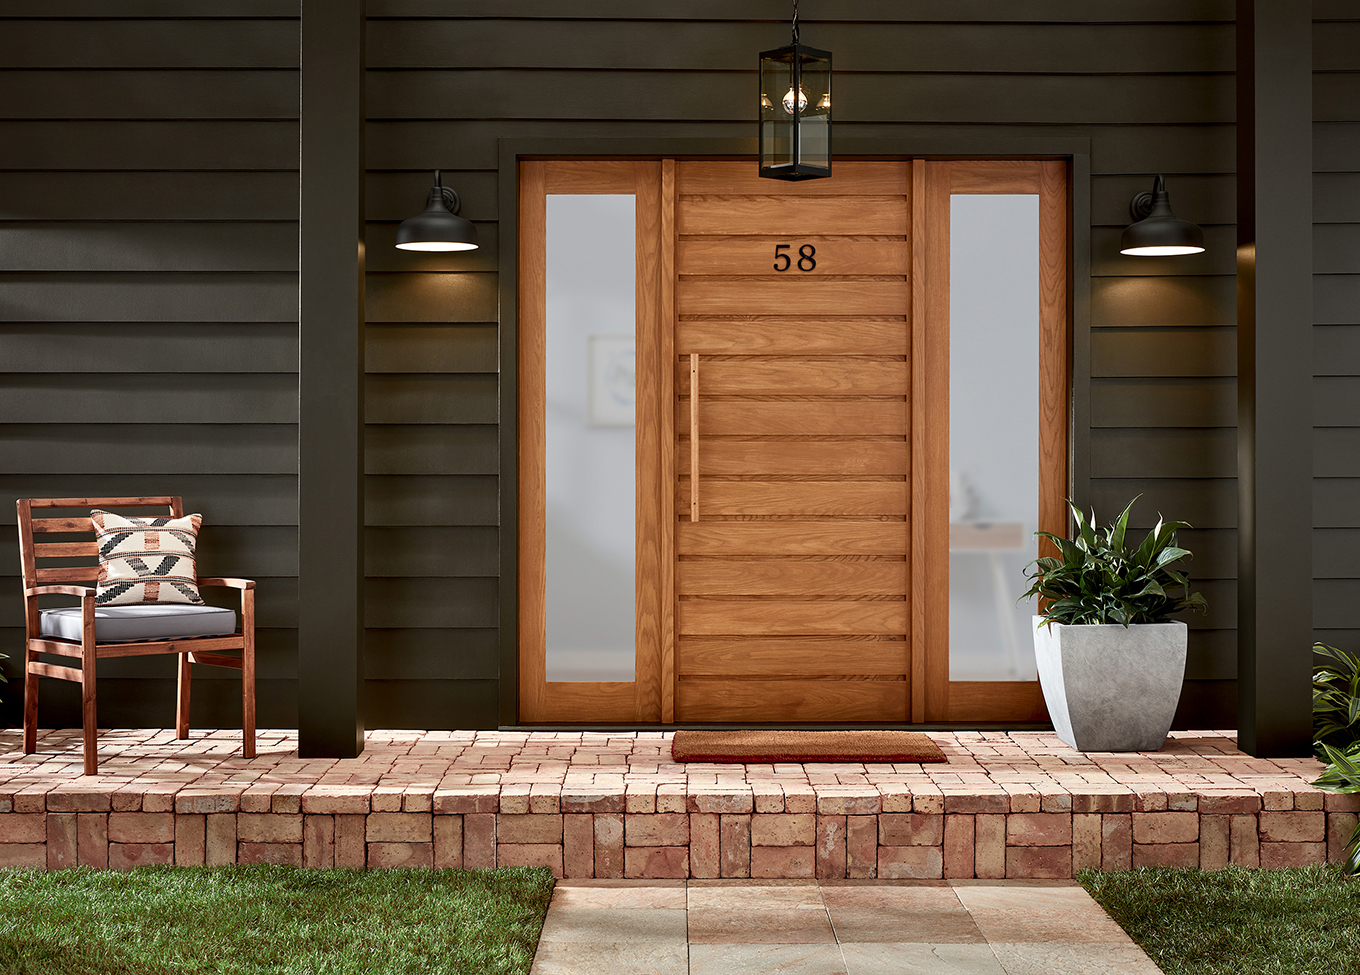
(1274, 375)
(331, 381)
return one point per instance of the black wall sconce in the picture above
(795, 111)
(1157, 232)
(439, 228)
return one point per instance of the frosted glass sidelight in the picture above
(993, 433)
(591, 457)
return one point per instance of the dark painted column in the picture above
(1275, 375)
(331, 381)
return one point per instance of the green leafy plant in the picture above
(1100, 579)
(1336, 730)
(1336, 697)
(1342, 774)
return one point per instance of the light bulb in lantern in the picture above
(824, 103)
(788, 102)
(765, 102)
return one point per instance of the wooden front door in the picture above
(793, 518)
(793, 455)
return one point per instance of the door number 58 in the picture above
(807, 259)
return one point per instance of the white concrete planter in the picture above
(1111, 688)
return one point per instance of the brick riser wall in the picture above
(700, 836)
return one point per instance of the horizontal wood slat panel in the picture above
(72, 649)
(809, 294)
(757, 255)
(55, 575)
(783, 701)
(766, 375)
(750, 577)
(797, 497)
(790, 617)
(755, 335)
(792, 658)
(781, 216)
(53, 670)
(562, 701)
(821, 417)
(803, 457)
(996, 701)
(64, 525)
(65, 550)
(994, 176)
(791, 537)
(713, 177)
(590, 176)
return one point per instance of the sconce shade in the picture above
(795, 113)
(439, 228)
(1159, 232)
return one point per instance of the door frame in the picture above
(1075, 152)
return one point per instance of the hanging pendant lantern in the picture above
(795, 111)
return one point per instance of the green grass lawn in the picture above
(249, 920)
(1304, 921)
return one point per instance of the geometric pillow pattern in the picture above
(146, 560)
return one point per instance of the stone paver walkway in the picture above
(735, 927)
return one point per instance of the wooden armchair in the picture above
(40, 625)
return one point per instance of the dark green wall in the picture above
(148, 199)
(148, 305)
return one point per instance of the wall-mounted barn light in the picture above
(439, 228)
(1157, 231)
(795, 111)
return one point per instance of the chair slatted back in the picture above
(32, 552)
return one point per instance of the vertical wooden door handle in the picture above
(694, 436)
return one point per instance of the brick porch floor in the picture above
(1017, 805)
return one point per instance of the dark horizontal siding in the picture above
(148, 306)
(722, 48)
(1336, 330)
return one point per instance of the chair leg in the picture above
(30, 704)
(182, 702)
(87, 686)
(248, 673)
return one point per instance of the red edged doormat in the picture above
(760, 747)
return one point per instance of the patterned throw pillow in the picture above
(146, 560)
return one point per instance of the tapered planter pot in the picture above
(1111, 688)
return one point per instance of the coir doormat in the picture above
(804, 746)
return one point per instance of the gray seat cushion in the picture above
(149, 621)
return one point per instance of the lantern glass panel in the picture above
(776, 124)
(814, 130)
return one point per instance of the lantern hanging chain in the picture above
(795, 21)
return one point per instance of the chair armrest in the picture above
(228, 583)
(80, 591)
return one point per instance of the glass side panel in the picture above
(815, 132)
(993, 433)
(591, 456)
(776, 112)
